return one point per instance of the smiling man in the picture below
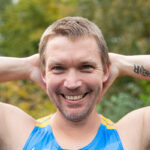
(75, 72)
(73, 77)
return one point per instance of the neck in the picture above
(92, 122)
(75, 135)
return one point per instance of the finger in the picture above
(38, 79)
(42, 85)
(107, 84)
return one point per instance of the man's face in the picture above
(73, 76)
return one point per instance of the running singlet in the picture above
(42, 138)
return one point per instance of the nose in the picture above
(72, 80)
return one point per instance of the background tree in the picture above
(126, 28)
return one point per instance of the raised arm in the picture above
(137, 66)
(12, 119)
(21, 68)
(13, 69)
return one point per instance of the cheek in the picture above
(51, 88)
(93, 80)
(53, 83)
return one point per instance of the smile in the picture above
(74, 98)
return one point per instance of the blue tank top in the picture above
(42, 138)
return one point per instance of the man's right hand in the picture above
(35, 73)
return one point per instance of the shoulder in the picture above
(14, 121)
(133, 128)
(146, 130)
(12, 114)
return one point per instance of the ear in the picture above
(107, 73)
(43, 75)
(105, 79)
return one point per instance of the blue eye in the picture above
(87, 67)
(57, 68)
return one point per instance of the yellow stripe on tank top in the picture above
(109, 124)
(43, 122)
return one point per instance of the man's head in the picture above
(73, 28)
(75, 66)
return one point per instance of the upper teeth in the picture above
(74, 97)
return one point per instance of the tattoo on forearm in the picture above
(141, 70)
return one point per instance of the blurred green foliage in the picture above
(27, 96)
(126, 28)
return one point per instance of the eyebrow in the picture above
(88, 62)
(57, 62)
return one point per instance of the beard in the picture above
(79, 116)
(76, 117)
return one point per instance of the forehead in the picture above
(61, 48)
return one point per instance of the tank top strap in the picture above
(44, 121)
(107, 122)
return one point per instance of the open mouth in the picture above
(74, 98)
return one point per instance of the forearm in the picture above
(136, 66)
(13, 68)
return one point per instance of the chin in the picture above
(76, 116)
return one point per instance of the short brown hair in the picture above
(74, 27)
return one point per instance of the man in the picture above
(75, 71)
